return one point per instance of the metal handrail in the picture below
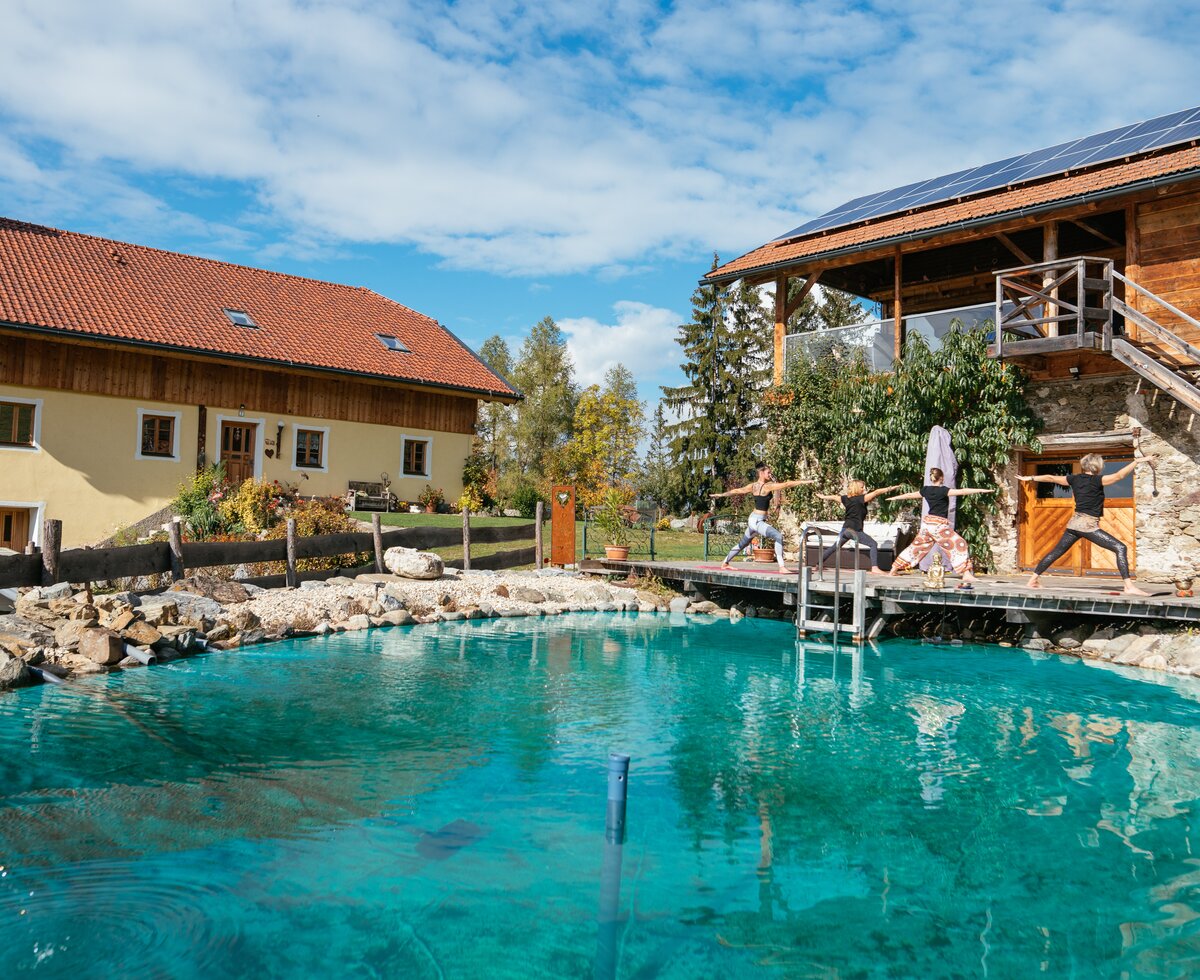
(802, 592)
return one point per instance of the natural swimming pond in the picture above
(430, 802)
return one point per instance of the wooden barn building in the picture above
(123, 369)
(1087, 257)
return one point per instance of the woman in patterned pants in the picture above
(936, 530)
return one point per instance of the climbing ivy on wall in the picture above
(833, 419)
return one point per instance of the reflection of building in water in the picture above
(937, 723)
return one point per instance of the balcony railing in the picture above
(875, 340)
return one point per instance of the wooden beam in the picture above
(1049, 254)
(781, 288)
(1133, 261)
(1095, 232)
(1013, 247)
(793, 304)
(898, 302)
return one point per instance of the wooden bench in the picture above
(363, 495)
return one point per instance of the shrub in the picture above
(198, 502)
(525, 500)
(478, 480)
(256, 506)
(318, 515)
(471, 499)
(663, 524)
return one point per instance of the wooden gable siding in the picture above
(37, 363)
(1165, 259)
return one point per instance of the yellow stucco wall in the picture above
(85, 469)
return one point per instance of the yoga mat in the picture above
(939, 453)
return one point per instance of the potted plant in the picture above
(431, 499)
(610, 519)
(759, 553)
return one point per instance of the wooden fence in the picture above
(175, 556)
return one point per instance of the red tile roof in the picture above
(66, 282)
(949, 214)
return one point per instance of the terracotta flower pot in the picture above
(430, 509)
(763, 554)
(616, 552)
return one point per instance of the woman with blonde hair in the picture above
(854, 501)
(936, 531)
(1088, 490)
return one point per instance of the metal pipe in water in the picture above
(618, 784)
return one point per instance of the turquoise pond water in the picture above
(430, 803)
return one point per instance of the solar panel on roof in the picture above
(1141, 137)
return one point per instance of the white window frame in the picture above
(37, 425)
(324, 430)
(159, 413)
(36, 519)
(259, 438)
(428, 440)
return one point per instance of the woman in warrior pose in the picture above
(936, 530)
(855, 501)
(761, 489)
(1088, 488)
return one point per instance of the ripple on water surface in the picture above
(431, 803)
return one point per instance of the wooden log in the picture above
(175, 536)
(898, 303)
(1049, 254)
(96, 564)
(781, 287)
(507, 559)
(51, 543)
(19, 571)
(207, 554)
(538, 555)
(377, 542)
(466, 539)
(292, 581)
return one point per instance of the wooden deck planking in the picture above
(1089, 595)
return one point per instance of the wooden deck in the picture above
(1069, 595)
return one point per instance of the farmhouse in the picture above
(123, 369)
(1083, 259)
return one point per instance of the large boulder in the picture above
(16, 673)
(524, 594)
(410, 563)
(213, 588)
(193, 609)
(102, 646)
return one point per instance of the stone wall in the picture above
(1168, 534)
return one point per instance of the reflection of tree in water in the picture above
(854, 857)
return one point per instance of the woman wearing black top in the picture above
(761, 490)
(855, 501)
(936, 530)
(1088, 489)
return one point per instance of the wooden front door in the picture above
(14, 528)
(1045, 508)
(237, 450)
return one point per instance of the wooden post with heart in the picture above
(562, 526)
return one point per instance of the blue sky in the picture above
(491, 163)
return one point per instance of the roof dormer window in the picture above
(239, 318)
(392, 343)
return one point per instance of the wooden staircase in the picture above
(1160, 355)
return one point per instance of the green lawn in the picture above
(668, 545)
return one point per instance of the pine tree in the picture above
(658, 481)
(728, 345)
(495, 418)
(544, 374)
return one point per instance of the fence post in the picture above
(539, 515)
(292, 578)
(51, 546)
(652, 542)
(175, 536)
(377, 535)
(706, 540)
(466, 559)
(584, 556)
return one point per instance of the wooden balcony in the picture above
(1052, 307)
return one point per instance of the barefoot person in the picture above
(936, 530)
(761, 489)
(855, 501)
(1088, 489)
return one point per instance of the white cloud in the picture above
(642, 337)
(555, 137)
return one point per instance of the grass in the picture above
(668, 545)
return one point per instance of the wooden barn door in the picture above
(1045, 508)
(237, 450)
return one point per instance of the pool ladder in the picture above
(807, 608)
